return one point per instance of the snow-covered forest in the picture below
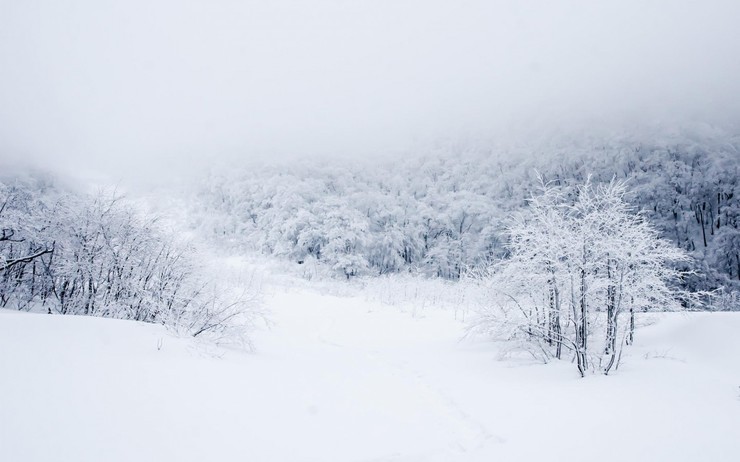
(444, 213)
(362, 231)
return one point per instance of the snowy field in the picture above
(345, 379)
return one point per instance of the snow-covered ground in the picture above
(345, 379)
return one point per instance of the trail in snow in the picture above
(381, 345)
(383, 352)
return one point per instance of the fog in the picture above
(135, 86)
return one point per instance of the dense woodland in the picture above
(443, 214)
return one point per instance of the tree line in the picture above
(443, 214)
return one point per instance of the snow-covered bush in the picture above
(97, 255)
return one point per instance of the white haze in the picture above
(131, 86)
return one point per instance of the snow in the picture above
(348, 379)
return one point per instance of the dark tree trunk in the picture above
(700, 219)
(554, 330)
(582, 329)
(631, 334)
(611, 318)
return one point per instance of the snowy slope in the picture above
(344, 379)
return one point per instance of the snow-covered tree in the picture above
(580, 259)
(72, 253)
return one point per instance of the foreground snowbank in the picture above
(344, 379)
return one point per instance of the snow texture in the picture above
(347, 379)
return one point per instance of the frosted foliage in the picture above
(576, 268)
(442, 214)
(72, 253)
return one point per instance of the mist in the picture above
(141, 89)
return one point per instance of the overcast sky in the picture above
(123, 85)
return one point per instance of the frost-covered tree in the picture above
(72, 253)
(580, 259)
(25, 247)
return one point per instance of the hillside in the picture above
(440, 212)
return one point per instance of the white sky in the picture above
(123, 85)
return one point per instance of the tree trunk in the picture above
(700, 218)
(609, 309)
(611, 341)
(610, 349)
(582, 329)
(555, 331)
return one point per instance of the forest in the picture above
(442, 214)
(367, 231)
(565, 241)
